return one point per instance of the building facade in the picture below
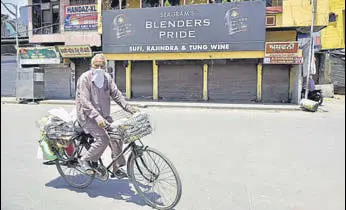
(332, 56)
(208, 75)
(71, 26)
(333, 36)
(213, 67)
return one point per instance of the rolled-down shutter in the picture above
(120, 76)
(57, 82)
(180, 82)
(82, 65)
(275, 84)
(234, 82)
(338, 73)
(142, 79)
(8, 75)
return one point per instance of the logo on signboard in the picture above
(121, 28)
(235, 22)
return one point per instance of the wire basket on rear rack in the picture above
(56, 130)
(130, 127)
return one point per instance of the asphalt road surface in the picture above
(227, 160)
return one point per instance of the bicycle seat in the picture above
(79, 130)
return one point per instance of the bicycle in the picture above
(141, 162)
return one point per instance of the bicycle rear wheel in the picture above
(151, 172)
(69, 168)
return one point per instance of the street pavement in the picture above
(227, 160)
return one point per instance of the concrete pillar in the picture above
(205, 82)
(297, 83)
(128, 81)
(73, 79)
(259, 81)
(155, 81)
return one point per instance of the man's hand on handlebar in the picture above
(133, 109)
(101, 122)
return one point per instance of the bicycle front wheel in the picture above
(155, 178)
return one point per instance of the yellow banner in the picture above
(75, 51)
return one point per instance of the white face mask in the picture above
(98, 77)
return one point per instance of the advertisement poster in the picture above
(80, 17)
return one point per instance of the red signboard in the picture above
(282, 53)
(281, 48)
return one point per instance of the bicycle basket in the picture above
(131, 128)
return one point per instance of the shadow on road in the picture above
(117, 189)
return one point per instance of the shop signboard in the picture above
(282, 53)
(238, 26)
(38, 55)
(75, 51)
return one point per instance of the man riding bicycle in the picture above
(94, 90)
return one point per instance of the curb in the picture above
(186, 105)
(225, 107)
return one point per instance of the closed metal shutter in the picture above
(275, 84)
(180, 82)
(233, 82)
(8, 76)
(338, 73)
(57, 82)
(82, 65)
(120, 76)
(142, 79)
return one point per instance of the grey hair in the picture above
(100, 55)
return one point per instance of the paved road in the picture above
(239, 160)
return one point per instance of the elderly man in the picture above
(94, 90)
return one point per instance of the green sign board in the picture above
(39, 55)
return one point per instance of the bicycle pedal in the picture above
(102, 173)
(89, 172)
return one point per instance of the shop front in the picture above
(233, 81)
(56, 74)
(77, 58)
(8, 75)
(183, 53)
(120, 74)
(142, 80)
(280, 59)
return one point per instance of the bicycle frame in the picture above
(86, 139)
(117, 157)
(135, 149)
